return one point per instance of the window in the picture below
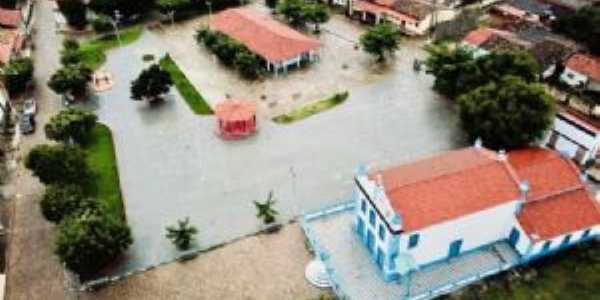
(413, 240)
(570, 75)
(372, 217)
(546, 246)
(363, 206)
(586, 233)
(381, 232)
(567, 239)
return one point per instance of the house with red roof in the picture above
(414, 215)
(11, 44)
(582, 70)
(575, 136)
(11, 18)
(277, 44)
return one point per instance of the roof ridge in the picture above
(578, 187)
(258, 17)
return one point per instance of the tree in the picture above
(71, 79)
(88, 241)
(272, 4)
(265, 211)
(19, 73)
(71, 124)
(317, 14)
(127, 8)
(182, 234)
(60, 164)
(294, 12)
(447, 66)
(151, 84)
(507, 114)
(583, 26)
(381, 39)
(60, 201)
(248, 64)
(75, 11)
(70, 54)
(166, 6)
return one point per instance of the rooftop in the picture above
(585, 64)
(10, 40)
(481, 35)
(261, 34)
(10, 17)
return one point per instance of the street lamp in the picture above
(115, 23)
(209, 4)
(171, 15)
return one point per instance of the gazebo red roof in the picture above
(235, 110)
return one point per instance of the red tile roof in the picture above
(10, 41)
(235, 110)
(382, 7)
(559, 215)
(10, 17)
(448, 186)
(483, 34)
(585, 64)
(261, 34)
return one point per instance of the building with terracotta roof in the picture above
(439, 208)
(11, 44)
(413, 17)
(582, 70)
(575, 136)
(11, 18)
(278, 45)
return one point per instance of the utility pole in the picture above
(115, 23)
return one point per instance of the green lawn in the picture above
(102, 161)
(93, 51)
(189, 93)
(311, 109)
(573, 274)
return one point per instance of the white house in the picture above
(575, 137)
(433, 210)
(582, 70)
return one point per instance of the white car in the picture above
(29, 107)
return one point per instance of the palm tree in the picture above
(182, 235)
(265, 211)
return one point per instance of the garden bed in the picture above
(93, 51)
(311, 109)
(189, 93)
(102, 162)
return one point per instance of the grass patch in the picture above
(102, 161)
(189, 93)
(311, 109)
(93, 52)
(571, 274)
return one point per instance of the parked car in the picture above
(30, 107)
(27, 124)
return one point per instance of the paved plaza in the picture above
(172, 165)
(359, 278)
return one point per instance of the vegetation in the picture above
(103, 23)
(72, 124)
(299, 12)
(507, 114)
(58, 164)
(272, 4)
(152, 83)
(75, 11)
(166, 6)
(457, 71)
(60, 201)
(93, 52)
(189, 93)
(311, 109)
(380, 40)
(182, 234)
(583, 26)
(265, 211)
(19, 73)
(71, 79)
(230, 52)
(70, 55)
(127, 8)
(89, 241)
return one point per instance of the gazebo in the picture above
(236, 118)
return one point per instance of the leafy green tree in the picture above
(226, 49)
(126, 8)
(152, 83)
(381, 39)
(182, 235)
(165, 6)
(248, 64)
(317, 14)
(507, 114)
(72, 124)
(75, 11)
(102, 23)
(272, 4)
(447, 66)
(19, 72)
(60, 164)
(70, 54)
(71, 79)
(88, 241)
(265, 211)
(294, 12)
(60, 201)
(583, 26)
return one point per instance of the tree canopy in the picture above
(71, 79)
(19, 73)
(75, 11)
(182, 235)
(71, 124)
(60, 201)
(60, 164)
(583, 26)
(506, 114)
(126, 8)
(380, 40)
(294, 11)
(152, 83)
(89, 241)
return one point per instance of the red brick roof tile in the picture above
(585, 64)
(483, 34)
(10, 17)
(261, 34)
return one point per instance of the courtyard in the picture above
(172, 164)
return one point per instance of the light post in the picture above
(115, 23)
(171, 15)
(209, 4)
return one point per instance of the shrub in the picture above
(182, 235)
(64, 164)
(102, 23)
(60, 201)
(247, 64)
(89, 241)
(151, 84)
(71, 124)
